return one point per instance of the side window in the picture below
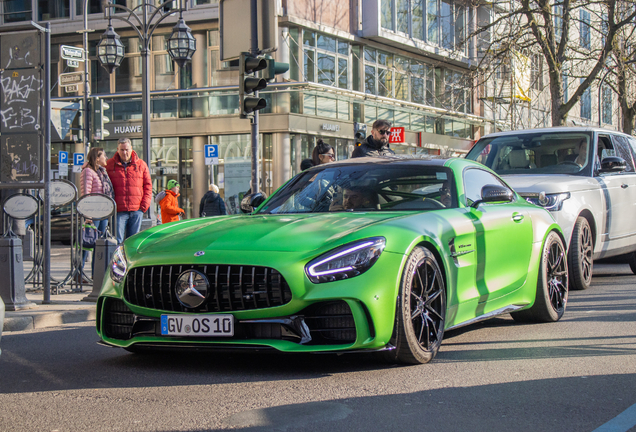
(623, 151)
(474, 180)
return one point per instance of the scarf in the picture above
(106, 184)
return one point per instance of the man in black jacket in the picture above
(376, 144)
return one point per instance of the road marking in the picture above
(621, 423)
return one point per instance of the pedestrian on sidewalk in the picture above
(170, 211)
(212, 204)
(94, 179)
(376, 144)
(133, 188)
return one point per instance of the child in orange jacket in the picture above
(170, 211)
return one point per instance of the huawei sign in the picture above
(397, 135)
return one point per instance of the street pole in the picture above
(86, 82)
(145, 87)
(46, 239)
(254, 51)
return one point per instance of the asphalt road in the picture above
(574, 375)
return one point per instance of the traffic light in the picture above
(99, 107)
(248, 64)
(273, 68)
(359, 133)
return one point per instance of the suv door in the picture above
(627, 179)
(502, 264)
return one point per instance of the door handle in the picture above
(624, 186)
(517, 217)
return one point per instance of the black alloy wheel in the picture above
(552, 284)
(421, 310)
(580, 255)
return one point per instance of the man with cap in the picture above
(170, 210)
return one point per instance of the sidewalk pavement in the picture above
(65, 307)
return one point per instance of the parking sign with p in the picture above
(78, 161)
(212, 154)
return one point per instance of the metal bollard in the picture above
(104, 249)
(12, 291)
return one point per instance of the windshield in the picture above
(535, 153)
(367, 187)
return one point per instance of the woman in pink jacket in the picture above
(94, 179)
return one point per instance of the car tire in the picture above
(632, 262)
(580, 255)
(552, 284)
(420, 312)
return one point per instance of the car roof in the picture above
(552, 130)
(398, 159)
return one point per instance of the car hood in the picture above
(280, 233)
(557, 183)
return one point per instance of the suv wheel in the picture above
(632, 261)
(580, 255)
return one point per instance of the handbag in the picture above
(89, 236)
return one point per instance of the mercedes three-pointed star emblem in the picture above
(192, 288)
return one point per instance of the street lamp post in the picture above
(144, 19)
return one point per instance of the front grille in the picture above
(232, 288)
(118, 319)
(330, 323)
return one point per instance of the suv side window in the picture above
(624, 151)
(474, 180)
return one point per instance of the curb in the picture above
(46, 319)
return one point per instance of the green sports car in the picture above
(368, 254)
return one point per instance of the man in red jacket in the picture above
(132, 186)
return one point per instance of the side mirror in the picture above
(252, 201)
(613, 164)
(494, 193)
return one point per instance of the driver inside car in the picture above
(445, 195)
(580, 155)
(356, 197)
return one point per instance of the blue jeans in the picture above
(101, 227)
(128, 224)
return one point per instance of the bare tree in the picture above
(550, 28)
(624, 71)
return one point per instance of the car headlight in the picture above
(551, 202)
(118, 265)
(345, 261)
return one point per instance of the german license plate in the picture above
(197, 325)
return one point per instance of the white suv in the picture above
(584, 176)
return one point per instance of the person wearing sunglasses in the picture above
(323, 153)
(376, 144)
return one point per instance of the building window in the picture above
(422, 84)
(584, 32)
(128, 75)
(164, 72)
(398, 77)
(386, 14)
(456, 95)
(558, 22)
(439, 22)
(94, 6)
(607, 104)
(50, 9)
(536, 72)
(16, 11)
(326, 59)
(586, 103)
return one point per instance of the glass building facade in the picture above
(336, 79)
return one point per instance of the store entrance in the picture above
(172, 160)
